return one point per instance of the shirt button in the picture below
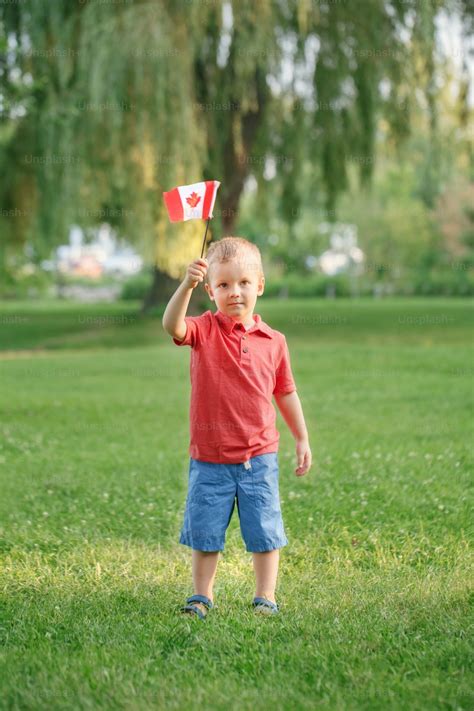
(244, 337)
(245, 350)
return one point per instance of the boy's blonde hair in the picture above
(228, 249)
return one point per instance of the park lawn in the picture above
(66, 325)
(375, 584)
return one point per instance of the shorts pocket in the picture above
(202, 484)
(265, 476)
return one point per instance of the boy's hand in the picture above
(196, 272)
(303, 457)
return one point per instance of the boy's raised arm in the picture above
(173, 317)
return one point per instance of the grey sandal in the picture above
(194, 609)
(264, 606)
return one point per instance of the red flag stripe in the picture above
(210, 188)
(173, 205)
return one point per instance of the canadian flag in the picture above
(188, 202)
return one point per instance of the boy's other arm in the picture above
(290, 407)
(173, 317)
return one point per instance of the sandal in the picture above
(264, 606)
(194, 609)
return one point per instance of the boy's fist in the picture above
(196, 272)
(304, 457)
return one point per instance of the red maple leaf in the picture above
(193, 199)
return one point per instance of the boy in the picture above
(237, 363)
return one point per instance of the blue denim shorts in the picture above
(213, 490)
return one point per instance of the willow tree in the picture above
(107, 105)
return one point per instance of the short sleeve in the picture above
(284, 382)
(197, 330)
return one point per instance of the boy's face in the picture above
(235, 286)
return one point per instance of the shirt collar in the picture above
(228, 324)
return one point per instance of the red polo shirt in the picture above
(234, 373)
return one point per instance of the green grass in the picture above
(374, 585)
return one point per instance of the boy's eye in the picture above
(244, 281)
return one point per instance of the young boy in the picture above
(237, 364)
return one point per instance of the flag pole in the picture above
(205, 235)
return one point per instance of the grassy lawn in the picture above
(375, 586)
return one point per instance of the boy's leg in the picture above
(204, 571)
(266, 572)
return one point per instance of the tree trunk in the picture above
(162, 289)
(235, 172)
(236, 165)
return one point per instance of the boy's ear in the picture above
(261, 286)
(209, 291)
